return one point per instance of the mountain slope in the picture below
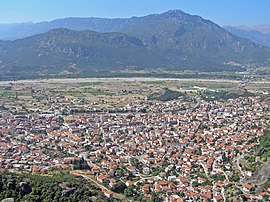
(173, 41)
(186, 38)
(63, 49)
(255, 34)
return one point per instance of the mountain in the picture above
(257, 34)
(173, 40)
(8, 31)
(265, 29)
(74, 51)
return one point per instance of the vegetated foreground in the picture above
(134, 139)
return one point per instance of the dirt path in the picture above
(102, 187)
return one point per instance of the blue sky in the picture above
(223, 12)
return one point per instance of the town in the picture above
(192, 148)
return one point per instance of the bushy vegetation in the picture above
(58, 187)
(264, 149)
(224, 95)
(166, 95)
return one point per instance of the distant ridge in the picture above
(173, 40)
(258, 34)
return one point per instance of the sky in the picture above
(222, 12)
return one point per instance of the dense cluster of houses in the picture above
(173, 149)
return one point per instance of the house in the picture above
(36, 170)
(102, 178)
(146, 170)
(145, 189)
(172, 178)
(129, 183)
(247, 187)
(131, 169)
(95, 170)
(112, 182)
(218, 198)
(108, 194)
(2, 170)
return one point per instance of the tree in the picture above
(129, 191)
(119, 187)
(234, 178)
(155, 198)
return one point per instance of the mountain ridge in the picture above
(173, 40)
(257, 34)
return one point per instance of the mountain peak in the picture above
(61, 30)
(173, 40)
(173, 13)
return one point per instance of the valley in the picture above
(131, 106)
(139, 139)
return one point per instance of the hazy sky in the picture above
(223, 12)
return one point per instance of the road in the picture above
(226, 176)
(102, 187)
(214, 191)
(223, 194)
(205, 170)
(91, 164)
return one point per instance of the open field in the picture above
(110, 93)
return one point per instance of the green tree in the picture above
(119, 187)
(129, 191)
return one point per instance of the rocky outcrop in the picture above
(8, 200)
(11, 183)
(68, 191)
(261, 175)
(25, 188)
(1, 183)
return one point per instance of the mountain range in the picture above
(258, 34)
(173, 40)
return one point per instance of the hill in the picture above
(70, 51)
(61, 186)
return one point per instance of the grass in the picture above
(265, 89)
(94, 92)
(224, 95)
(166, 95)
(86, 84)
(153, 82)
(9, 94)
(71, 93)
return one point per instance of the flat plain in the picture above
(140, 138)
